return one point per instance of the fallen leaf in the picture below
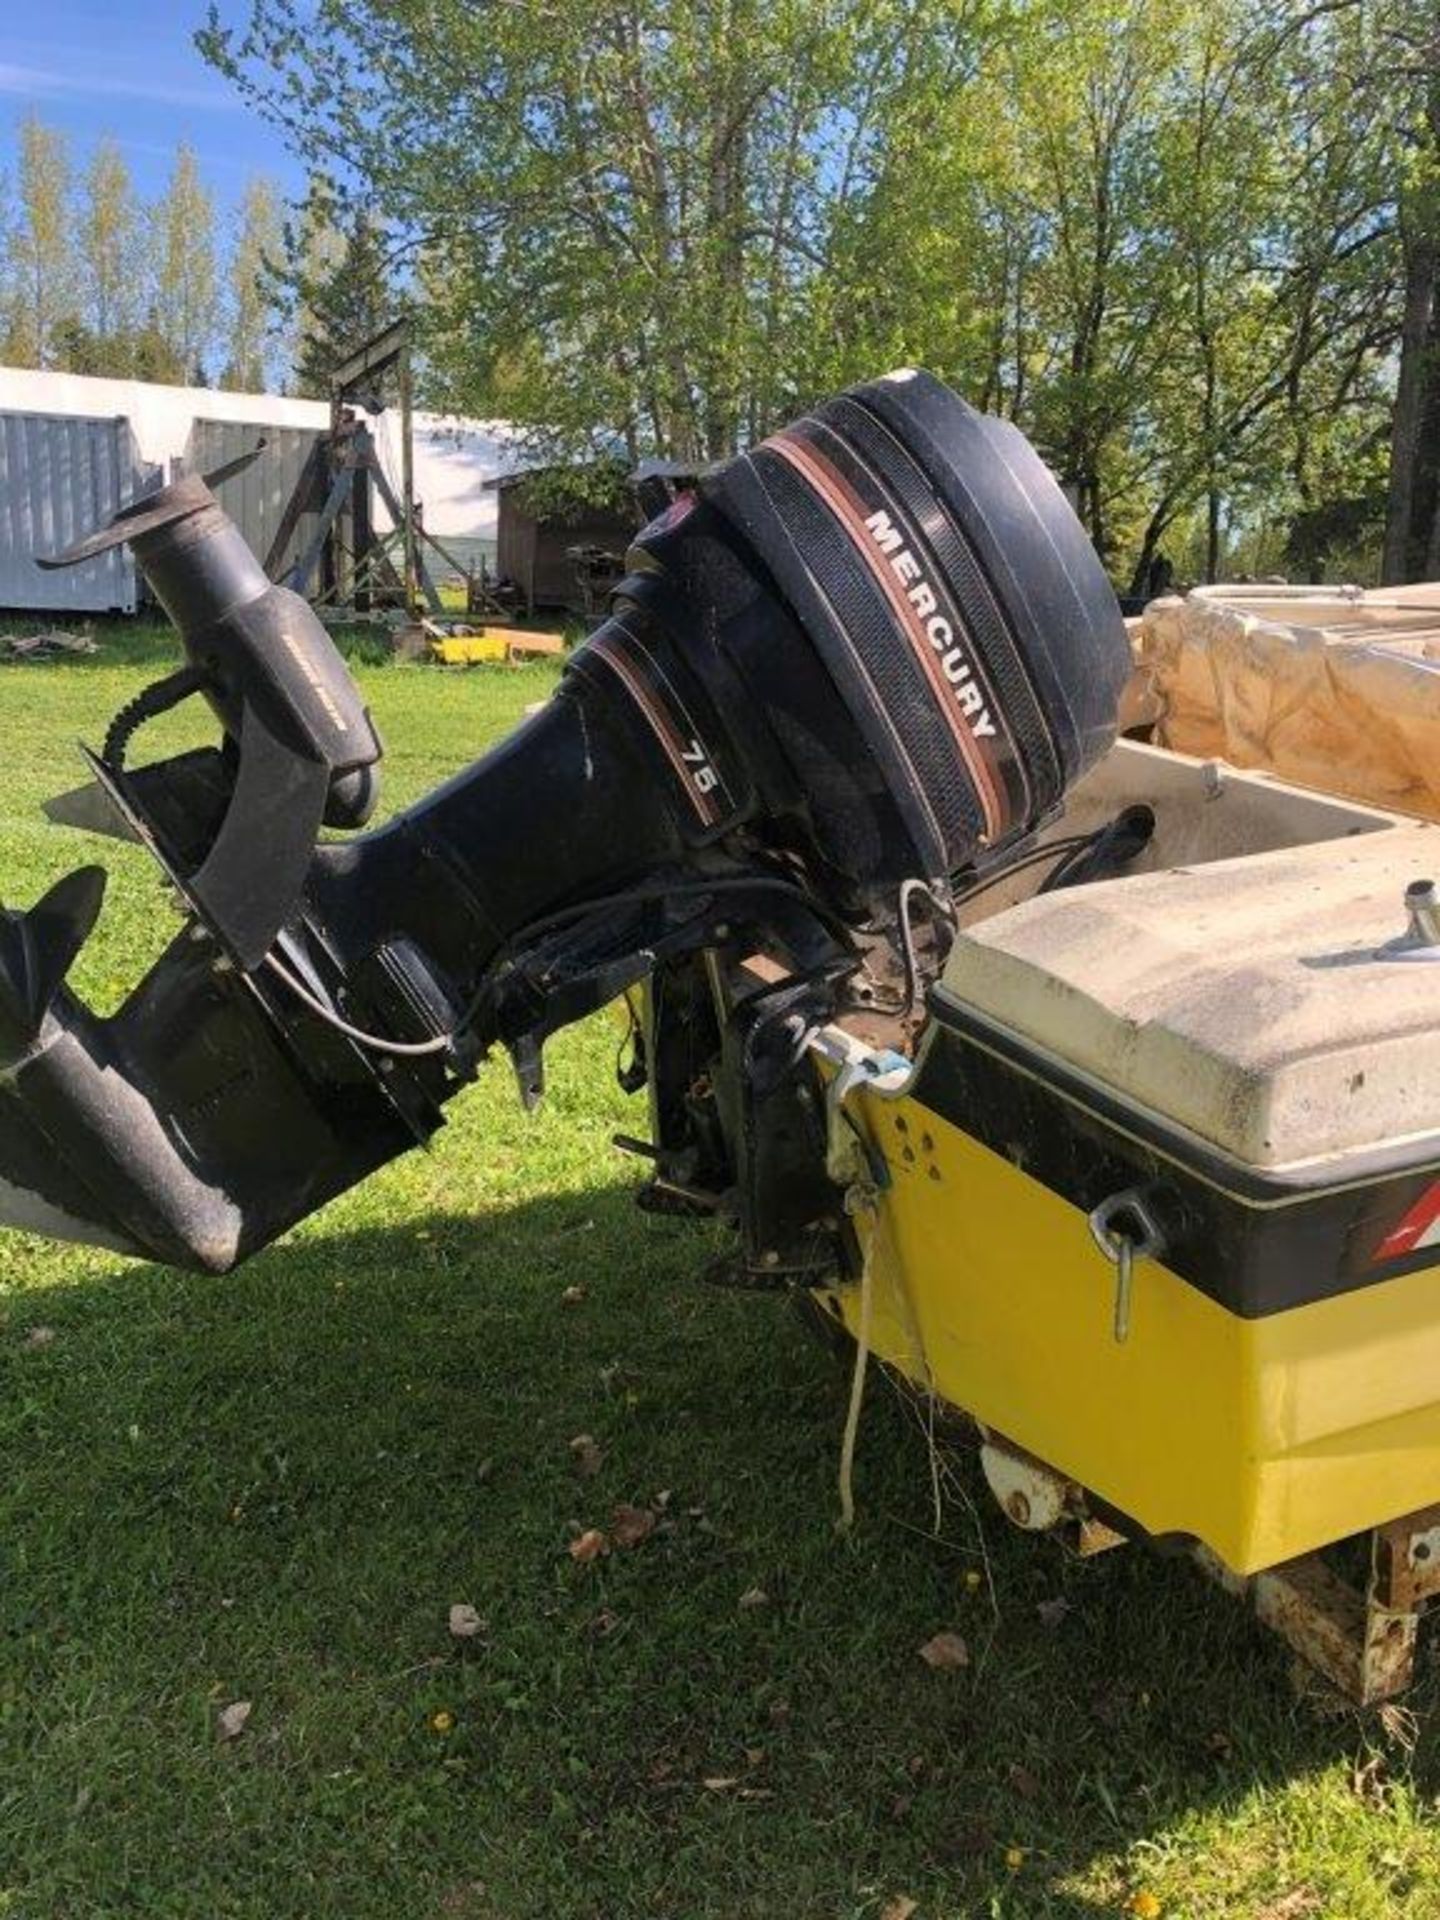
(1369, 1781)
(719, 1783)
(753, 1599)
(1401, 1724)
(630, 1525)
(1052, 1612)
(230, 1722)
(589, 1546)
(586, 1456)
(945, 1652)
(899, 1907)
(38, 1338)
(1023, 1781)
(778, 1713)
(754, 1756)
(465, 1622)
(572, 1296)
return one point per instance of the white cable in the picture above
(857, 1383)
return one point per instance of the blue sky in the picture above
(129, 68)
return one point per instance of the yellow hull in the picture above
(1263, 1438)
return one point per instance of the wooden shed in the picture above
(545, 514)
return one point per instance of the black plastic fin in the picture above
(38, 949)
(183, 800)
(255, 871)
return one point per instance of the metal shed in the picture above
(256, 499)
(62, 475)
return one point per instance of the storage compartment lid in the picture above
(1244, 1000)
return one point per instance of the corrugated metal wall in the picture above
(257, 498)
(61, 476)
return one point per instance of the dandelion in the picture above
(1014, 1858)
(442, 1721)
(1143, 1905)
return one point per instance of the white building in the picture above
(48, 497)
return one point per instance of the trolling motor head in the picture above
(874, 650)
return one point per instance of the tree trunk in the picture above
(1412, 403)
(1414, 458)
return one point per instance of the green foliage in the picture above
(618, 221)
(1160, 236)
(94, 282)
(338, 288)
(40, 283)
(186, 296)
(251, 304)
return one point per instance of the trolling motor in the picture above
(867, 656)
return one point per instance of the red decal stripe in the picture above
(1413, 1230)
(849, 510)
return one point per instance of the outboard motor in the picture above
(872, 651)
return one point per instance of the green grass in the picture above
(273, 1487)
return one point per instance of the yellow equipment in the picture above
(492, 646)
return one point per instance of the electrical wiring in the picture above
(377, 1043)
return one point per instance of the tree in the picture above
(1271, 206)
(342, 290)
(1171, 238)
(183, 241)
(40, 262)
(1412, 530)
(622, 219)
(109, 262)
(254, 263)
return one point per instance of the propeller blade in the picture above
(38, 949)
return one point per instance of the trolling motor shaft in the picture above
(874, 650)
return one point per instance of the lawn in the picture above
(273, 1488)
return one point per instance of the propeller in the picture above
(37, 951)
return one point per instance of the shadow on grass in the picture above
(274, 1487)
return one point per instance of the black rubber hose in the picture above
(148, 704)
